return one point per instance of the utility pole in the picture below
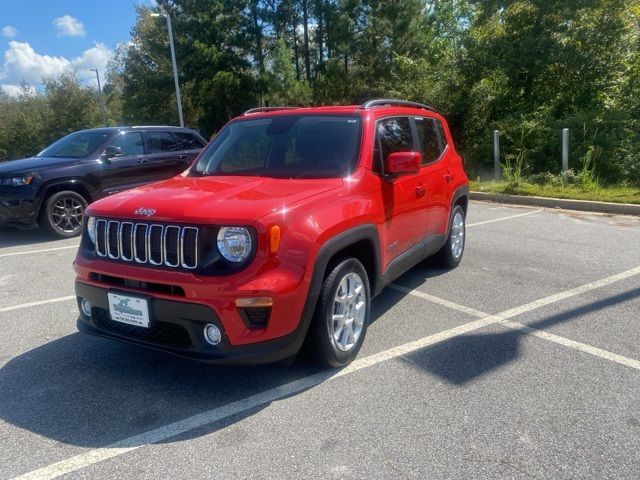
(497, 174)
(103, 113)
(173, 64)
(565, 153)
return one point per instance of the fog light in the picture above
(85, 306)
(212, 334)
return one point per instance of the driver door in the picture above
(126, 170)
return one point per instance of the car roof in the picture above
(377, 108)
(136, 127)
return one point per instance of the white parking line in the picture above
(505, 218)
(503, 317)
(97, 455)
(28, 252)
(35, 304)
(583, 347)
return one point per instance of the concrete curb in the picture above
(582, 205)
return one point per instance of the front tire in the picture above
(450, 255)
(62, 213)
(340, 322)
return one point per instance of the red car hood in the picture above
(211, 199)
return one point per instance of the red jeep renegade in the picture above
(278, 236)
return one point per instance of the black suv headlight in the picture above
(20, 181)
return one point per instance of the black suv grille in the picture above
(152, 244)
(162, 333)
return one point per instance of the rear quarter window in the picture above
(187, 141)
(159, 142)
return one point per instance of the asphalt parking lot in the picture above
(522, 363)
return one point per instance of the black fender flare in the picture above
(462, 191)
(326, 252)
(59, 184)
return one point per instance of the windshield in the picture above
(291, 146)
(76, 145)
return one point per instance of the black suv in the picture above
(54, 188)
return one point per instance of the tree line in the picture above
(527, 68)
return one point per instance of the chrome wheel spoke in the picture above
(457, 235)
(349, 312)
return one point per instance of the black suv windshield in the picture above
(76, 145)
(291, 146)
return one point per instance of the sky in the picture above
(45, 38)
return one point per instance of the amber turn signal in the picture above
(252, 302)
(274, 238)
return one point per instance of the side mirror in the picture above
(403, 163)
(113, 151)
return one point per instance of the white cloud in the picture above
(23, 63)
(14, 90)
(9, 31)
(69, 26)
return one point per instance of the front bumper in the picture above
(177, 327)
(18, 206)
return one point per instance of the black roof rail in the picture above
(394, 103)
(153, 126)
(266, 109)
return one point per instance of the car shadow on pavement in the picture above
(90, 392)
(13, 237)
(467, 357)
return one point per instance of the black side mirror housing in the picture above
(112, 151)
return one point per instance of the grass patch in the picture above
(573, 192)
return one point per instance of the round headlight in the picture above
(234, 243)
(91, 229)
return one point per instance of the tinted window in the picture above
(429, 143)
(186, 141)
(393, 135)
(76, 145)
(161, 142)
(291, 146)
(442, 136)
(130, 143)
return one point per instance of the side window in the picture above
(130, 143)
(186, 141)
(429, 140)
(442, 136)
(160, 142)
(392, 135)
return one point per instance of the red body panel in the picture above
(309, 212)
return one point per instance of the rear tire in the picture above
(450, 255)
(62, 213)
(341, 318)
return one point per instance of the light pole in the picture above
(173, 63)
(100, 98)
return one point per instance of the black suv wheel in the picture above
(62, 213)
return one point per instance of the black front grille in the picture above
(152, 244)
(162, 333)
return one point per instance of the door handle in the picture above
(419, 191)
(143, 160)
(182, 156)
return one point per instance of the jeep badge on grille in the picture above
(146, 212)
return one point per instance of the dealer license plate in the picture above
(129, 310)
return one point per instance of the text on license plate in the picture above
(129, 310)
